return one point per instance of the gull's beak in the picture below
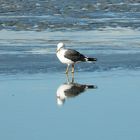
(57, 50)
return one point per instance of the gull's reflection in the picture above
(71, 89)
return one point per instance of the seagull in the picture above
(70, 90)
(70, 56)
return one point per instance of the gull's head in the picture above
(60, 45)
(60, 102)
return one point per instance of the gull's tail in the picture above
(90, 59)
(90, 86)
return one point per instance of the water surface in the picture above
(29, 107)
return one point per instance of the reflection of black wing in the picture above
(74, 55)
(77, 89)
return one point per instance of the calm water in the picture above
(30, 73)
(29, 110)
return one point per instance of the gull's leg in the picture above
(68, 79)
(72, 78)
(67, 69)
(72, 68)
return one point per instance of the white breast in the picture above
(61, 91)
(60, 54)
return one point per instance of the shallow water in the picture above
(30, 30)
(32, 52)
(29, 109)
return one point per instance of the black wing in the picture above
(75, 90)
(74, 55)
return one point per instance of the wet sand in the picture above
(29, 110)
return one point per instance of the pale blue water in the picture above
(29, 107)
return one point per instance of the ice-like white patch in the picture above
(117, 38)
(40, 51)
(37, 4)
